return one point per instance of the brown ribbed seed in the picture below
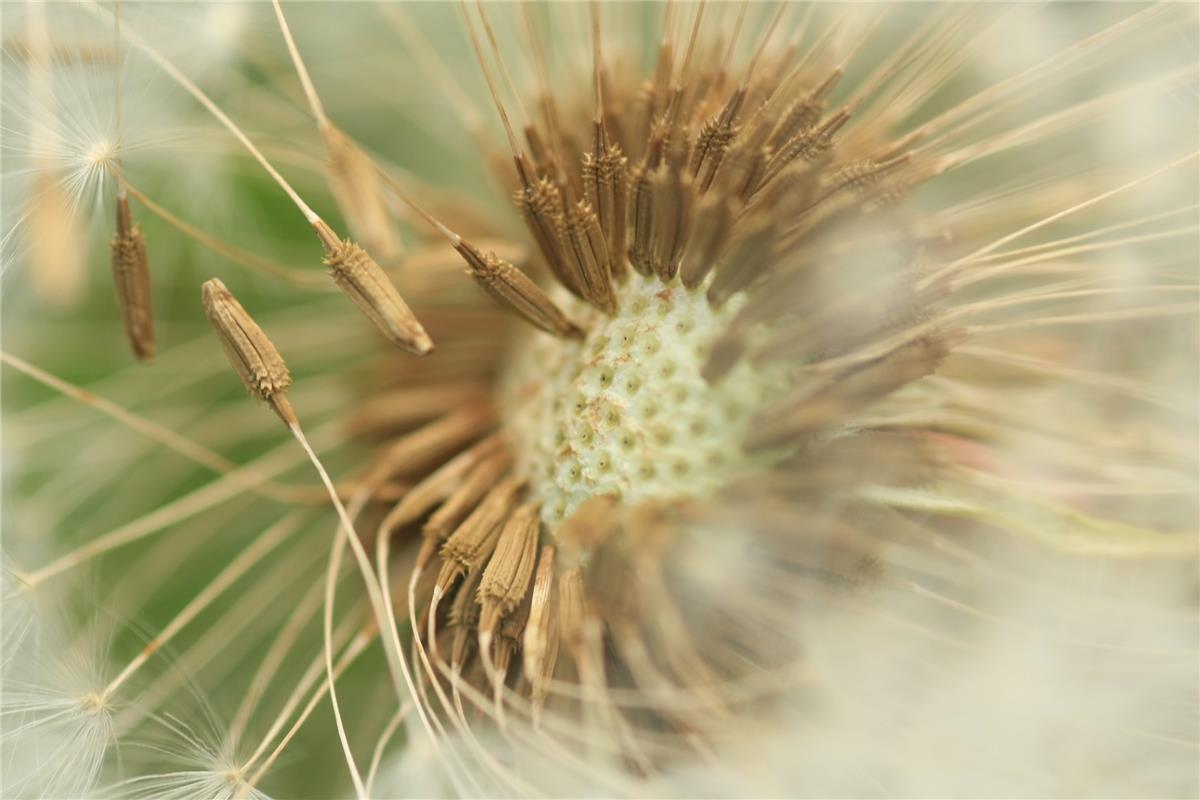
(799, 116)
(808, 145)
(860, 175)
(516, 290)
(743, 168)
(641, 201)
(588, 252)
(540, 639)
(790, 193)
(466, 496)
(714, 139)
(746, 259)
(472, 542)
(131, 277)
(368, 287)
(802, 114)
(672, 202)
(253, 356)
(511, 630)
(541, 205)
(726, 351)
(463, 619)
(572, 609)
(507, 575)
(606, 187)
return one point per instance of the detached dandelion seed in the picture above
(131, 274)
(251, 354)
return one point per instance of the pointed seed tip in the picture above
(211, 288)
(423, 345)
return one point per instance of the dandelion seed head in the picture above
(55, 728)
(213, 781)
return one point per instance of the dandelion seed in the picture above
(463, 499)
(540, 643)
(261, 368)
(368, 287)
(131, 274)
(470, 546)
(507, 576)
(510, 286)
(251, 354)
(130, 263)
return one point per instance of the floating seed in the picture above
(131, 277)
(253, 356)
(368, 287)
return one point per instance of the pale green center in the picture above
(626, 411)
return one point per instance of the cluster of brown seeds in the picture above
(733, 183)
(131, 276)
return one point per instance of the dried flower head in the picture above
(824, 422)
